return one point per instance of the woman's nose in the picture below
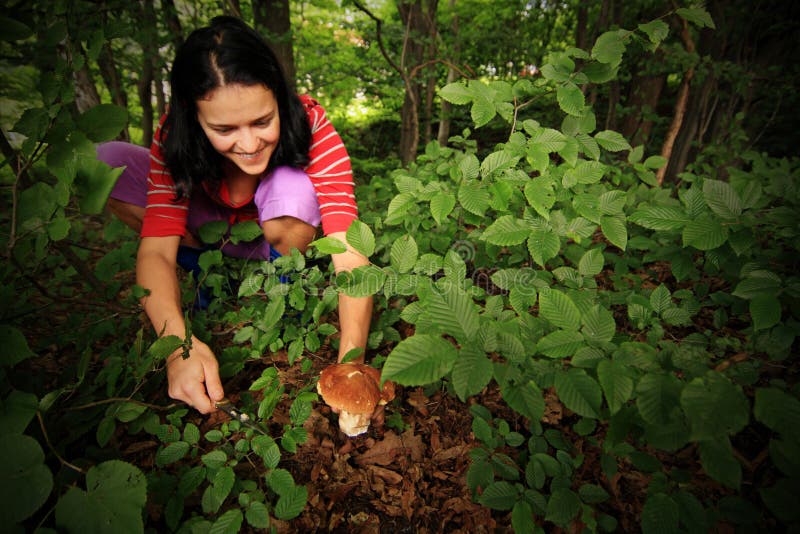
(248, 141)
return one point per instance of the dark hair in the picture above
(227, 51)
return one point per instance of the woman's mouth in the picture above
(249, 155)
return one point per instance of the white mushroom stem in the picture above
(354, 424)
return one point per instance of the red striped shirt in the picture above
(328, 168)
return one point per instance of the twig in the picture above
(111, 400)
(52, 449)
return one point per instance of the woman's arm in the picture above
(194, 380)
(355, 313)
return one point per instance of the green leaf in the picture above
(215, 459)
(697, 16)
(469, 167)
(781, 499)
(27, 481)
(257, 515)
(559, 309)
(482, 111)
(228, 523)
(213, 232)
(498, 161)
(291, 503)
(172, 453)
(281, 481)
(456, 93)
(579, 392)
(714, 407)
(705, 233)
(758, 283)
(612, 141)
(362, 281)
(17, 411)
(656, 30)
(522, 518)
(609, 47)
(93, 184)
(329, 245)
(507, 230)
(658, 398)
(164, 346)
(103, 122)
(499, 495)
(404, 253)
(441, 206)
(14, 30)
(718, 461)
(778, 410)
(765, 310)
(245, 231)
(560, 344)
(526, 399)
(473, 197)
(16, 346)
(419, 360)
(453, 311)
(115, 496)
(549, 139)
(616, 383)
(661, 299)
(591, 263)
(615, 230)
(570, 99)
(562, 507)
(360, 237)
(722, 198)
(472, 372)
(660, 515)
(663, 218)
(540, 196)
(599, 325)
(543, 245)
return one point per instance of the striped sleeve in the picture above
(164, 216)
(330, 172)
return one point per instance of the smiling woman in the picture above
(235, 145)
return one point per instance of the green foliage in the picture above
(550, 264)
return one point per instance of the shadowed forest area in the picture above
(583, 232)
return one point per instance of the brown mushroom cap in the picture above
(354, 390)
(350, 387)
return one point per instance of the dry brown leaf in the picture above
(418, 401)
(414, 444)
(387, 475)
(383, 452)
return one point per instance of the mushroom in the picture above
(354, 390)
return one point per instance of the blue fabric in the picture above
(189, 260)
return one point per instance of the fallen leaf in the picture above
(418, 401)
(389, 476)
(383, 452)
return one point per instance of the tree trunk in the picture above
(581, 38)
(417, 16)
(86, 96)
(643, 99)
(444, 118)
(145, 85)
(273, 20)
(172, 22)
(113, 81)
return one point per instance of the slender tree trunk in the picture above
(113, 81)
(444, 118)
(417, 17)
(643, 99)
(86, 96)
(145, 86)
(581, 37)
(680, 108)
(172, 22)
(273, 20)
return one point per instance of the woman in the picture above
(236, 144)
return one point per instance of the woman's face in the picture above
(242, 123)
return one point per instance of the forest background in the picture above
(582, 218)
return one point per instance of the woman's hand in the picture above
(195, 380)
